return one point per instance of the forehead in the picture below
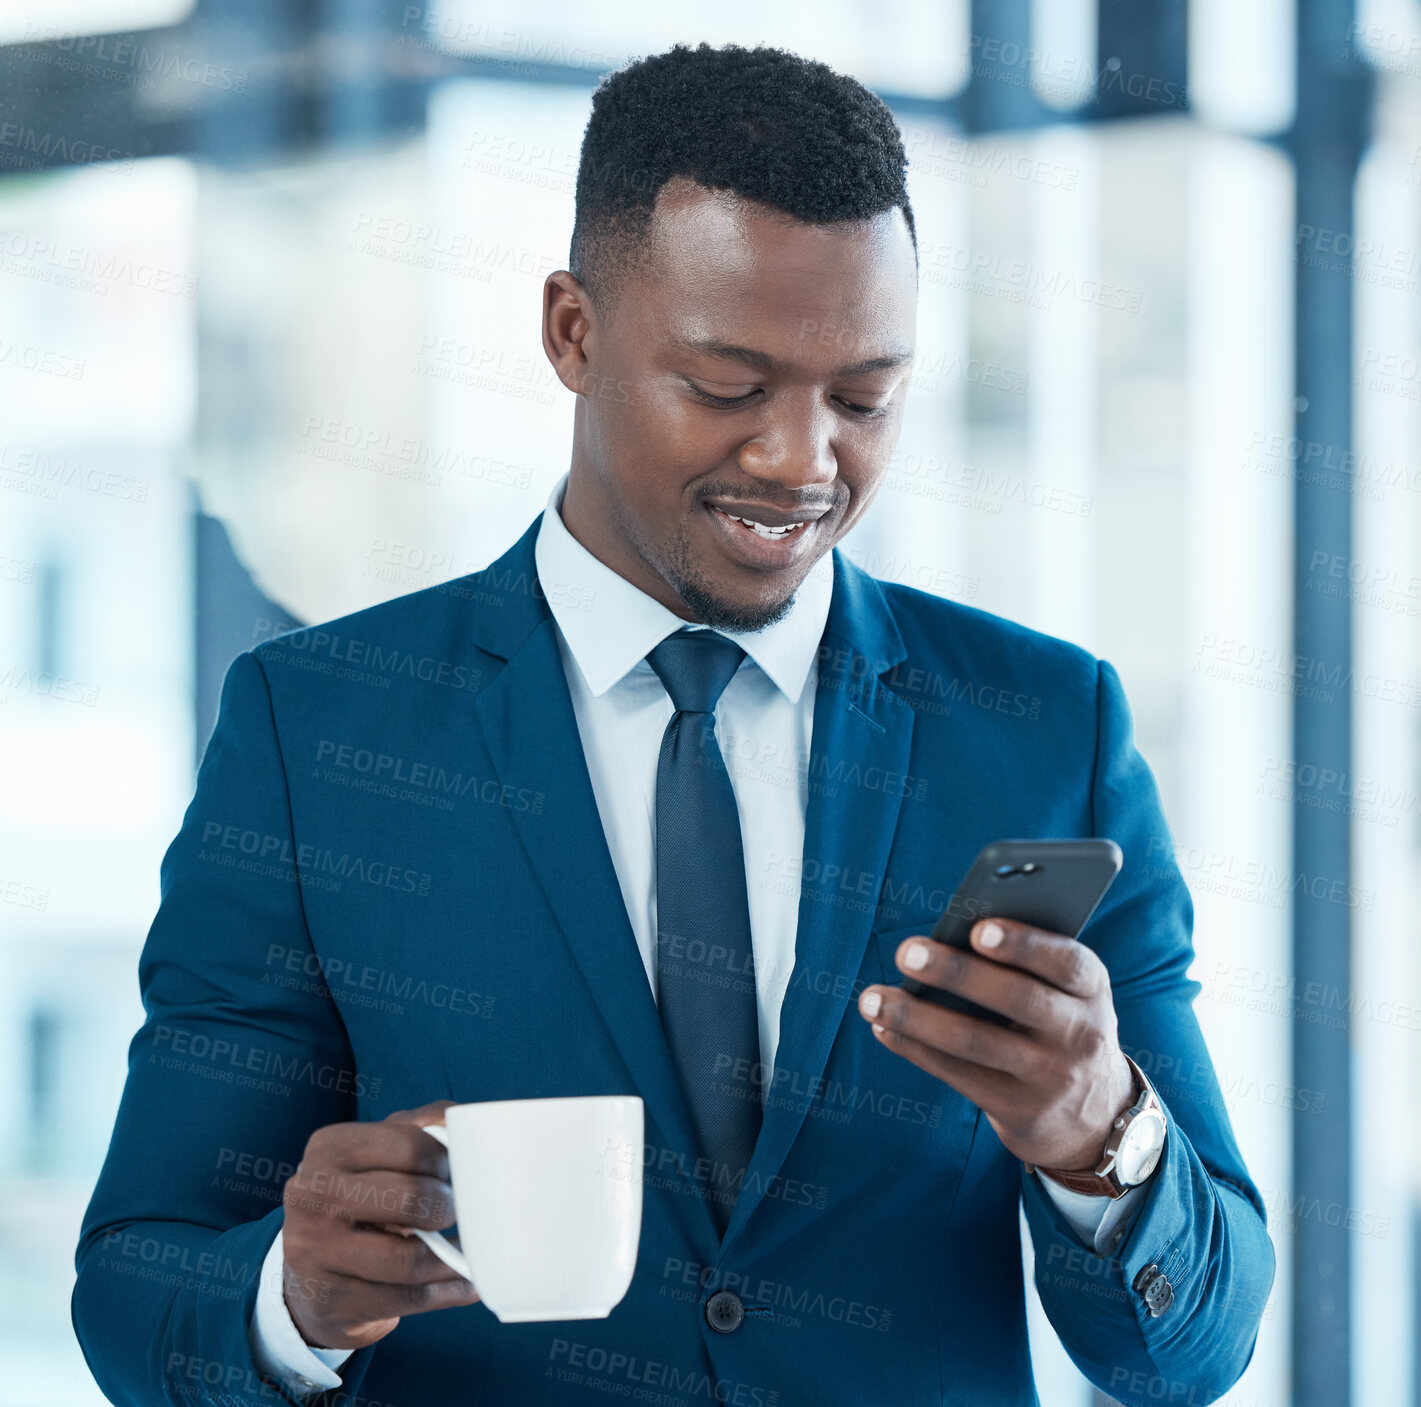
(725, 268)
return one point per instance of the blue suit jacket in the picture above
(457, 931)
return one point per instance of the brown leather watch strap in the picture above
(1087, 1181)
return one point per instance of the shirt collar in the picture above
(611, 625)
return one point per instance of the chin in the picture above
(712, 608)
(706, 597)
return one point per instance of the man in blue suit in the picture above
(661, 803)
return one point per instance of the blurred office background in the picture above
(270, 275)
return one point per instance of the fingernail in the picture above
(870, 1003)
(916, 957)
(990, 935)
(877, 1029)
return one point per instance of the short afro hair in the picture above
(763, 123)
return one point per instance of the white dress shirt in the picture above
(763, 722)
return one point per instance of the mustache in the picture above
(805, 507)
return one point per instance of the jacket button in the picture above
(1153, 1286)
(724, 1311)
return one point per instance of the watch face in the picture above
(1140, 1148)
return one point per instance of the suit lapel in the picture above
(859, 725)
(530, 730)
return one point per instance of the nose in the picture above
(794, 445)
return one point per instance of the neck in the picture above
(588, 517)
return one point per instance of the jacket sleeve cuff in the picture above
(1100, 1222)
(1199, 1233)
(277, 1345)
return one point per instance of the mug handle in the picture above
(442, 1246)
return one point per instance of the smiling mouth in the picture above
(764, 530)
(769, 532)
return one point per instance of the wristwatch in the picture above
(1132, 1152)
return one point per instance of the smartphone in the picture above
(1054, 885)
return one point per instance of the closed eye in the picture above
(863, 412)
(728, 402)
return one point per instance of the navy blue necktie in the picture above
(705, 974)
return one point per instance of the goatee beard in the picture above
(706, 604)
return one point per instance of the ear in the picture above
(568, 329)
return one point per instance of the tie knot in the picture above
(695, 666)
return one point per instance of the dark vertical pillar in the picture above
(377, 80)
(999, 95)
(1142, 49)
(273, 46)
(230, 615)
(1326, 144)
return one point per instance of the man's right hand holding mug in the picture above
(352, 1271)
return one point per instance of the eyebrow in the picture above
(763, 361)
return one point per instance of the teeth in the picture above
(761, 529)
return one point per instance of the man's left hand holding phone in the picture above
(1053, 1082)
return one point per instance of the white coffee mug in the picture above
(547, 1195)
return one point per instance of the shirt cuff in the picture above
(1101, 1222)
(277, 1345)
